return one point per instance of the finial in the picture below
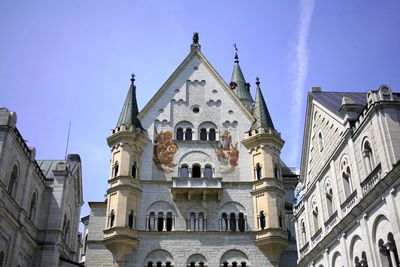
(236, 54)
(132, 77)
(258, 82)
(195, 38)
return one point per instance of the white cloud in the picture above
(298, 73)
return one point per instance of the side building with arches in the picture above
(40, 203)
(196, 198)
(348, 213)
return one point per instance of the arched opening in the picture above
(329, 200)
(280, 218)
(169, 221)
(303, 232)
(159, 264)
(391, 246)
(203, 134)
(320, 142)
(160, 222)
(116, 169)
(188, 134)
(234, 264)
(368, 157)
(201, 221)
(346, 178)
(243, 264)
(201, 264)
(258, 171)
(208, 171)
(225, 264)
(192, 264)
(179, 134)
(196, 171)
(224, 221)
(276, 171)
(130, 219)
(211, 135)
(192, 221)
(262, 219)
(32, 208)
(184, 172)
(242, 223)
(152, 220)
(167, 264)
(315, 218)
(133, 169)
(112, 218)
(13, 181)
(232, 222)
(150, 264)
(85, 247)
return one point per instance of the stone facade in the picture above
(40, 203)
(350, 204)
(195, 179)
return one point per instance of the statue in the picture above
(195, 38)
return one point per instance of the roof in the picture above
(333, 100)
(260, 112)
(130, 110)
(242, 88)
(47, 166)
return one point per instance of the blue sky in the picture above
(64, 61)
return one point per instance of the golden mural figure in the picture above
(226, 152)
(164, 150)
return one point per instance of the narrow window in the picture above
(391, 244)
(329, 200)
(188, 134)
(364, 261)
(169, 221)
(192, 264)
(303, 232)
(224, 222)
(192, 221)
(179, 134)
(159, 264)
(64, 227)
(234, 264)
(200, 222)
(13, 181)
(315, 218)
(85, 248)
(150, 264)
(167, 264)
(262, 220)
(184, 171)
(201, 264)
(32, 208)
(320, 142)
(112, 218)
(242, 222)
(1, 259)
(116, 168)
(243, 264)
(368, 157)
(152, 221)
(160, 222)
(346, 178)
(133, 171)
(196, 171)
(280, 219)
(225, 264)
(212, 135)
(203, 134)
(208, 171)
(130, 219)
(258, 171)
(232, 222)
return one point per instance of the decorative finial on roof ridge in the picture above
(133, 77)
(195, 44)
(258, 82)
(236, 53)
(195, 38)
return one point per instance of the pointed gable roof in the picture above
(260, 112)
(130, 110)
(195, 51)
(239, 84)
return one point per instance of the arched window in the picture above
(169, 221)
(200, 222)
(346, 178)
(159, 264)
(152, 221)
(179, 134)
(208, 171)
(167, 264)
(12, 185)
(391, 251)
(329, 201)
(184, 171)
(196, 171)
(188, 134)
(258, 171)
(320, 142)
(276, 171)
(364, 261)
(116, 169)
(303, 232)
(1, 259)
(67, 231)
(133, 170)
(130, 219)
(111, 218)
(384, 254)
(232, 222)
(243, 264)
(224, 222)
(192, 264)
(315, 215)
(242, 222)
(203, 134)
(262, 219)
(85, 247)
(192, 221)
(280, 218)
(368, 156)
(150, 264)
(32, 208)
(201, 264)
(211, 135)
(160, 222)
(234, 264)
(225, 264)
(64, 226)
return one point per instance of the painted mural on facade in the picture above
(227, 153)
(164, 150)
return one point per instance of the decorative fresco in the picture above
(164, 150)
(227, 153)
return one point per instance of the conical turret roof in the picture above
(130, 110)
(239, 85)
(260, 112)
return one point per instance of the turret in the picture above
(126, 142)
(239, 85)
(264, 144)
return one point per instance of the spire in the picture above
(261, 113)
(238, 82)
(130, 111)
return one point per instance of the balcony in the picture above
(203, 187)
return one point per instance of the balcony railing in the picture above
(203, 186)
